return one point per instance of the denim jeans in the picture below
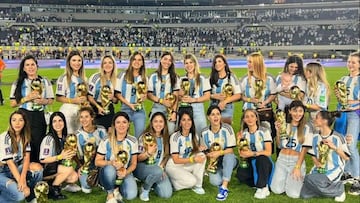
(161, 108)
(137, 117)
(107, 178)
(153, 176)
(199, 117)
(224, 170)
(353, 129)
(9, 192)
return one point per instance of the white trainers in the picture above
(198, 190)
(112, 200)
(117, 195)
(144, 195)
(262, 193)
(341, 198)
(85, 190)
(72, 188)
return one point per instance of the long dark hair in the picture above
(25, 134)
(194, 140)
(299, 61)
(53, 133)
(22, 75)
(129, 77)
(244, 125)
(173, 75)
(301, 127)
(329, 116)
(214, 75)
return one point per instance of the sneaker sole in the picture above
(354, 193)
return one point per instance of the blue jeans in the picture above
(199, 117)
(224, 170)
(153, 176)
(9, 192)
(353, 128)
(161, 108)
(137, 117)
(107, 177)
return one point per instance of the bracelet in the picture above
(22, 100)
(160, 101)
(59, 157)
(307, 106)
(69, 100)
(221, 152)
(297, 166)
(248, 99)
(192, 159)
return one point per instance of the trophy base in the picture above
(119, 181)
(321, 170)
(244, 164)
(84, 171)
(138, 108)
(67, 163)
(183, 104)
(211, 170)
(150, 162)
(36, 107)
(283, 135)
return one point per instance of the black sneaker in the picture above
(355, 188)
(347, 178)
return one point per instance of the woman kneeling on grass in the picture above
(117, 157)
(255, 150)
(329, 151)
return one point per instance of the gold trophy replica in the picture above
(37, 86)
(342, 95)
(105, 95)
(243, 145)
(172, 98)
(295, 93)
(323, 151)
(185, 86)
(70, 145)
(281, 118)
(89, 153)
(228, 90)
(41, 191)
(122, 157)
(212, 167)
(81, 90)
(258, 87)
(140, 90)
(149, 141)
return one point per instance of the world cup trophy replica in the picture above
(295, 93)
(212, 166)
(89, 154)
(243, 145)
(105, 98)
(140, 90)
(41, 191)
(185, 86)
(81, 90)
(258, 87)
(342, 95)
(122, 157)
(36, 86)
(280, 117)
(228, 90)
(172, 98)
(323, 151)
(149, 141)
(70, 145)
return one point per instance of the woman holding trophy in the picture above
(329, 152)
(163, 89)
(67, 91)
(88, 136)
(131, 91)
(51, 155)
(117, 158)
(32, 93)
(101, 91)
(18, 175)
(152, 158)
(197, 92)
(219, 141)
(225, 88)
(187, 164)
(257, 171)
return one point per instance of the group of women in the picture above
(171, 153)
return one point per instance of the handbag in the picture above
(266, 114)
(93, 177)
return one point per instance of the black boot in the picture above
(55, 193)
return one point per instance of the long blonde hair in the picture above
(113, 73)
(259, 66)
(318, 74)
(192, 57)
(69, 71)
(112, 132)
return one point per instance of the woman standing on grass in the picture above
(112, 168)
(66, 90)
(32, 93)
(152, 159)
(18, 175)
(51, 155)
(99, 84)
(127, 91)
(161, 83)
(220, 78)
(199, 91)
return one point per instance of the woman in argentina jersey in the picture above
(326, 183)
(290, 161)
(220, 77)
(257, 173)
(127, 92)
(152, 159)
(111, 169)
(317, 91)
(32, 101)
(162, 82)
(221, 134)
(88, 132)
(66, 90)
(18, 175)
(52, 153)
(187, 164)
(106, 77)
(199, 91)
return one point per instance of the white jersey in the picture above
(159, 155)
(335, 164)
(320, 98)
(160, 88)
(292, 142)
(6, 151)
(95, 86)
(181, 145)
(128, 91)
(129, 144)
(225, 137)
(297, 80)
(195, 90)
(68, 91)
(83, 137)
(218, 87)
(257, 139)
(353, 86)
(47, 92)
(47, 147)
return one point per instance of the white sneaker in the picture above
(112, 200)
(341, 198)
(262, 193)
(72, 188)
(198, 190)
(85, 190)
(144, 195)
(117, 195)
